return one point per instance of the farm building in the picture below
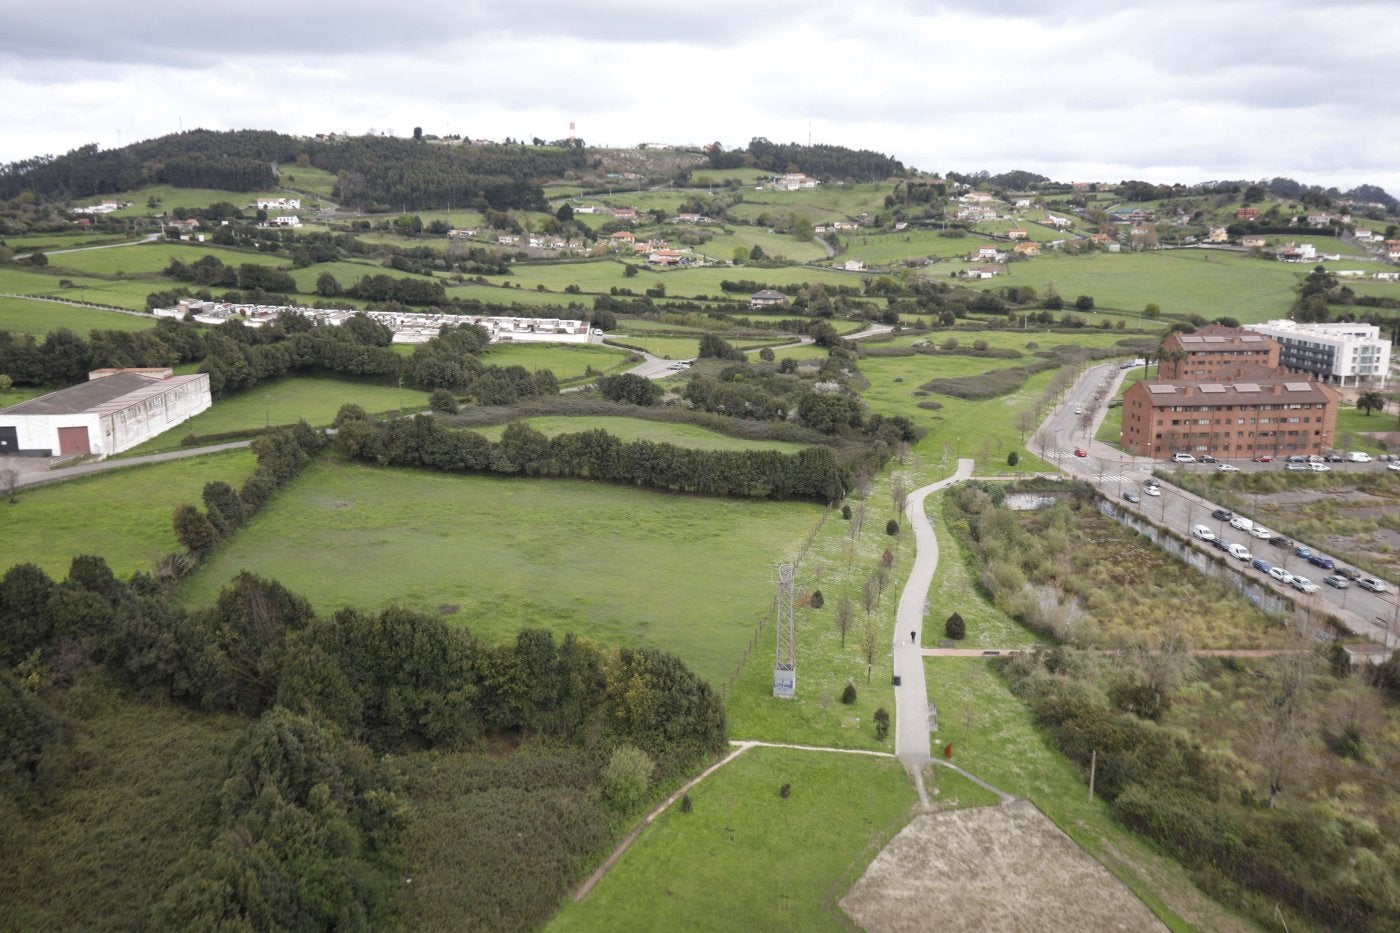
(113, 411)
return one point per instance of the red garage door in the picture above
(72, 441)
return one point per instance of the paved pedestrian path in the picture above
(911, 696)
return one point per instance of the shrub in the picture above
(846, 512)
(626, 777)
(686, 805)
(848, 696)
(1013, 458)
(891, 527)
(954, 627)
(817, 600)
(882, 723)
(785, 791)
(443, 401)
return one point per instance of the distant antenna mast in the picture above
(785, 664)
(809, 134)
(571, 131)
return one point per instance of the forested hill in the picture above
(820, 161)
(378, 171)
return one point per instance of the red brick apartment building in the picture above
(1214, 352)
(1277, 414)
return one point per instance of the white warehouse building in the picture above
(1339, 353)
(113, 411)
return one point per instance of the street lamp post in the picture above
(267, 411)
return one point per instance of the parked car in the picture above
(1203, 532)
(1319, 468)
(1242, 523)
(1351, 573)
(1152, 490)
(1223, 514)
(1259, 531)
(1334, 580)
(1302, 551)
(1335, 457)
(1132, 496)
(1358, 456)
(1297, 467)
(1297, 458)
(1209, 459)
(1281, 541)
(1183, 458)
(1080, 452)
(1240, 552)
(1221, 544)
(1317, 560)
(1315, 458)
(1281, 575)
(1393, 467)
(1262, 565)
(1263, 458)
(1079, 411)
(1372, 584)
(1304, 584)
(1229, 468)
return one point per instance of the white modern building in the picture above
(1339, 353)
(113, 411)
(279, 204)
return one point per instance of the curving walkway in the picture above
(911, 696)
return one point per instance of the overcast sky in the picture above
(1185, 91)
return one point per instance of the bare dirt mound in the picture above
(991, 868)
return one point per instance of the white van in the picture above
(1242, 523)
(1241, 552)
(1203, 532)
(1358, 456)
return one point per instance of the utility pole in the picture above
(785, 660)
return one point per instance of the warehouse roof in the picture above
(100, 396)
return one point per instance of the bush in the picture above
(846, 512)
(955, 628)
(443, 402)
(686, 805)
(786, 790)
(848, 696)
(892, 527)
(1013, 458)
(882, 723)
(626, 777)
(817, 600)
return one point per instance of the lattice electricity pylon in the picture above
(785, 663)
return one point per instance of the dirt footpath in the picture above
(995, 869)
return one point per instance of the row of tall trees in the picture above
(423, 441)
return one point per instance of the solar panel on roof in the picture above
(1161, 390)
(1213, 387)
(1297, 386)
(1213, 339)
(1189, 338)
(1251, 339)
(1246, 387)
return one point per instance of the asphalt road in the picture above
(1371, 615)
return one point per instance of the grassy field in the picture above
(623, 566)
(171, 198)
(566, 361)
(45, 242)
(747, 859)
(23, 316)
(668, 348)
(633, 429)
(285, 401)
(130, 294)
(152, 258)
(307, 178)
(122, 515)
(776, 245)
(1179, 281)
(908, 244)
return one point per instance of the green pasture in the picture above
(123, 515)
(1111, 430)
(130, 293)
(884, 248)
(620, 565)
(753, 213)
(26, 316)
(1035, 233)
(46, 242)
(284, 402)
(347, 272)
(776, 245)
(846, 200)
(172, 197)
(597, 275)
(705, 280)
(1356, 423)
(566, 361)
(638, 429)
(303, 178)
(1203, 282)
(646, 201)
(527, 297)
(668, 348)
(745, 858)
(707, 177)
(152, 258)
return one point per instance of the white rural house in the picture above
(279, 204)
(113, 411)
